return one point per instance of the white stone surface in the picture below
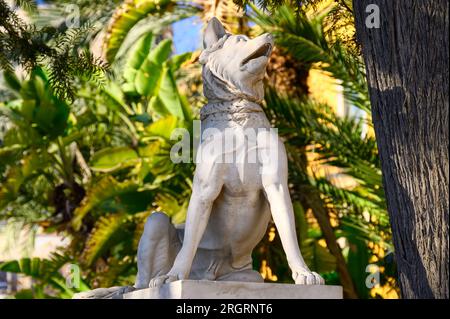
(240, 182)
(203, 289)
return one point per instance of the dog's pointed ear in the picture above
(213, 32)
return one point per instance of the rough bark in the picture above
(407, 71)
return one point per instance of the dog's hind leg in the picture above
(208, 182)
(157, 249)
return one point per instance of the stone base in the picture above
(204, 289)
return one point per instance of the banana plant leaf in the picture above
(126, 17)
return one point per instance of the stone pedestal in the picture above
(203, 289)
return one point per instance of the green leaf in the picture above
(137, 56)
(163, 127)
(46, 272)
(41, 107)
(168, 93)
(161, 52)
(113, 158)
(126, 17)
(16, 176)
(34, 267)
(170, 205)
(116, 98)
(108, 187)
(9, 153)
(103, 234)
(12, 81)
(176, 61)
(147, 78)
(357, 261)
(318, 257)
(156, 105)
(151, 72)
(300, 218)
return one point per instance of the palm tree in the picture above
(340, 144)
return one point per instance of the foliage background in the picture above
(87, 113)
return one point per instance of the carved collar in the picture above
(229, 107)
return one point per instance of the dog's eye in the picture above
(241, 39)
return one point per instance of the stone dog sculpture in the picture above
(232, 202)
(228, 212)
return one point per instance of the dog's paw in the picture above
(160, 280)
(306, 277)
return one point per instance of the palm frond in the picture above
(126, 17)
(102, 190)
(304, 38)
(45, 271)
(101, 236)
(27, 5)
(339, 143)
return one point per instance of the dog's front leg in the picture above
(283, 216)
(206, 188)
(274, 178)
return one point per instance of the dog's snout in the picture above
(268, 36)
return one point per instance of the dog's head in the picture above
(233, 65)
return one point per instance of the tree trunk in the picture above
(313, 201)
(407, 72)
